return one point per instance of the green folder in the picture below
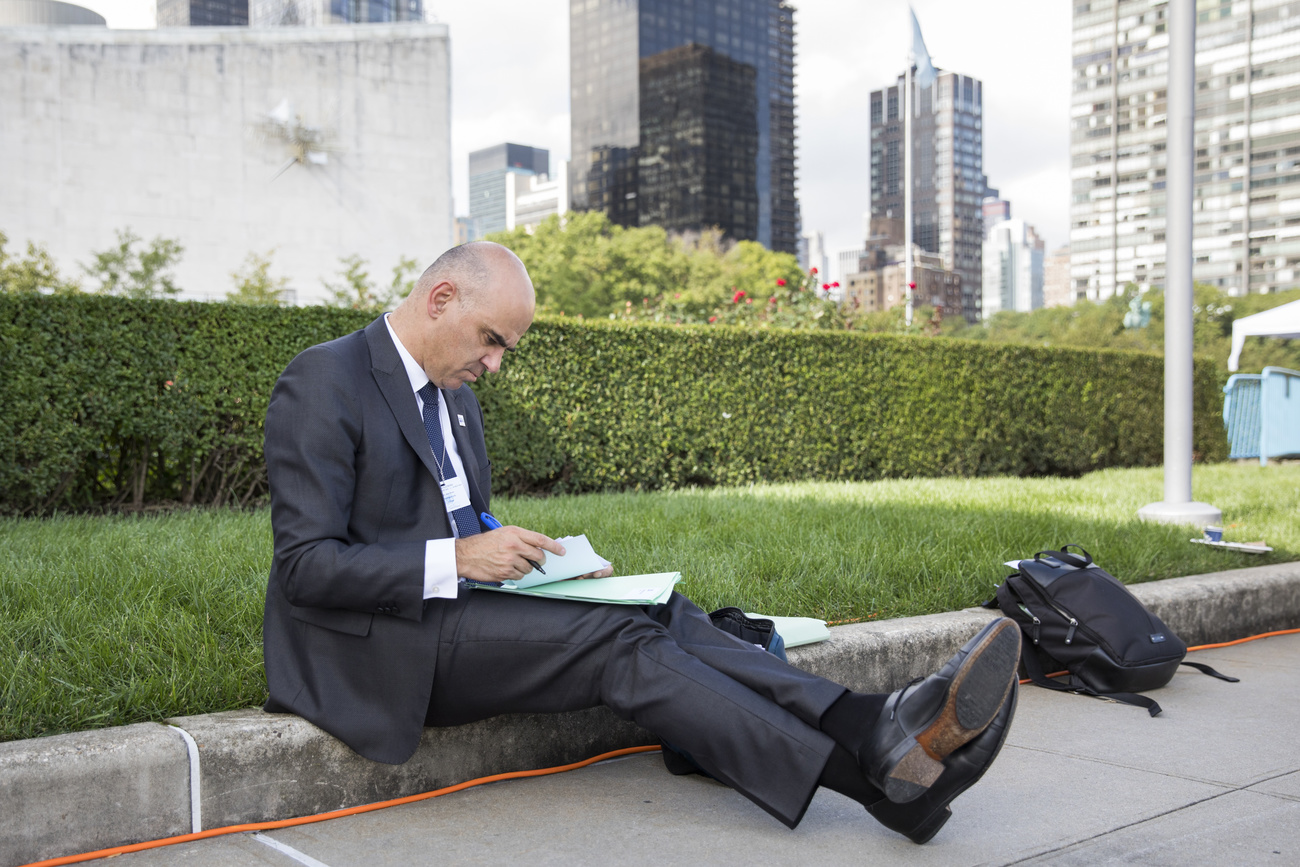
(649, 589)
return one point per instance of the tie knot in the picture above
(429, 394)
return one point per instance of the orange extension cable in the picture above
(334, 814)
(410, 799)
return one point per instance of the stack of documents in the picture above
(580, 559)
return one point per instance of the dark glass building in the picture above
(699, 143)
(634, 114)
(202, 13)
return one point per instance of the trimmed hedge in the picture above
(106, 402)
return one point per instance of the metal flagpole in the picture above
(1178, 507)
(908, 282)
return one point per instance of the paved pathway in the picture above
(1215, 780)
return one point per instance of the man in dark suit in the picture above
(378, 470)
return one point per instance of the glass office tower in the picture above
(487, 182)
(947, 171)
(1247, 140)
(316, 13)
(626, 86)
(202, 13)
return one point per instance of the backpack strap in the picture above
(1067, 558)
(1036, 674)
(1205, 669)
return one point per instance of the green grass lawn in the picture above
(110, 620)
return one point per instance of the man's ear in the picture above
(439, 297)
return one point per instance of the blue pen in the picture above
(493, 524)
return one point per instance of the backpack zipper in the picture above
(1070, 618)
(1074, 623)
(1033, 617)
(1042, 594)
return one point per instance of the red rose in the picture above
(836, 284)
(813, 271)
(713, 319)
(780, 282)
(826, 286)
(735, 299)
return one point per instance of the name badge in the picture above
(460, 418)
(454, 494)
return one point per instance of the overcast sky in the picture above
(510, 74)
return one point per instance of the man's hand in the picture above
(503, 554)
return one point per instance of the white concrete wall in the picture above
(162, 131)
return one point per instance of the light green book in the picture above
(795, 631)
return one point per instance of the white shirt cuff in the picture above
(440, 579)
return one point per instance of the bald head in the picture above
(473, 268)
(467, 309)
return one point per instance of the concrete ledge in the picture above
(80, 792)
(1224, 606)
(259, 767)
(74, 793)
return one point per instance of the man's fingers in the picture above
(537, 540)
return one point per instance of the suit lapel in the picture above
(390, 375)
(464, 444)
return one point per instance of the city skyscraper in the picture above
(682, 115)
(1247, 140)
(202, 13)
(315, 13)
(1013, 268)
(699, 143)
(947, 172)
(490, 193)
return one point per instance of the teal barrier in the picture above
(1241, 415)
(1262, 414)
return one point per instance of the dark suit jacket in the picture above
(348, 640)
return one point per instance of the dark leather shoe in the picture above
(928, 719)
(921, 819)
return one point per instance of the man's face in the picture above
(474, 336)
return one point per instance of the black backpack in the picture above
(1076, 616)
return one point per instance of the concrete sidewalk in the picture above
(87, 791)
(1214, 780)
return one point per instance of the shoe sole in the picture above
(925, 829)
(975, 696)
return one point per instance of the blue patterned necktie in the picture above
(466, 523)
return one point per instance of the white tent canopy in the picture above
(1281, 321)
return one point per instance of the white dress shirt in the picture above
(440, 578)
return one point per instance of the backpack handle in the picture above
(1067, 558)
